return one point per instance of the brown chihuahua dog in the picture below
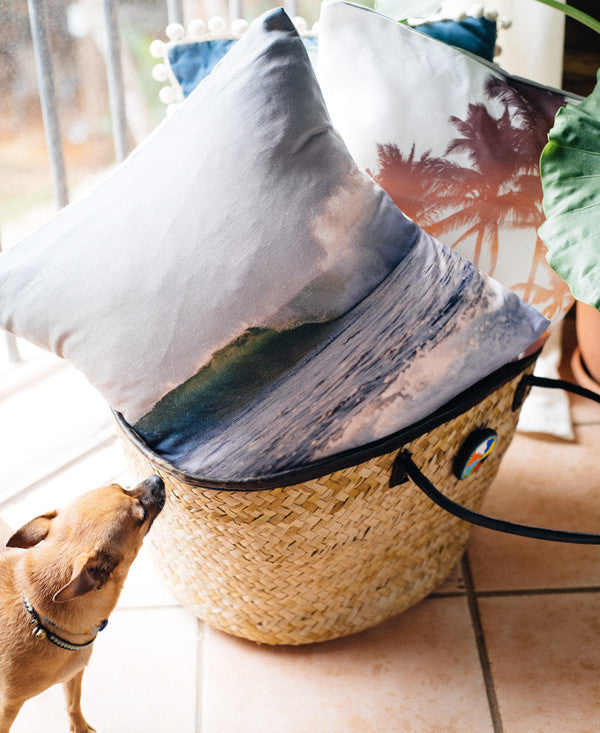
(60, 578)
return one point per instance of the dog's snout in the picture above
(155, 485)
(151, 491)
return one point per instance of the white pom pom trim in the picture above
(160, 73)
(197, 28)
(167, 95)
(217, 25)
(175, 31)
(449, 13)
(239, 27)
(157, 49)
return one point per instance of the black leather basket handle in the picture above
(404, 465)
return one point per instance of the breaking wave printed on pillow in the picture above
(271, 399)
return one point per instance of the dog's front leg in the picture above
(8, 712)
(72, 690)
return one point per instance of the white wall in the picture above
(533, 46)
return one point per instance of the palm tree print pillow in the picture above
(245, 296)
(453, 139)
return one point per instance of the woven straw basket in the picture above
(333, 554)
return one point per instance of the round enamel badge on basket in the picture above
(474, 451)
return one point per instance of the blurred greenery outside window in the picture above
(77, 38)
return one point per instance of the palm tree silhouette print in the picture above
(496, 185)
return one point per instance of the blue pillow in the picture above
(476, 35)
(190, 62)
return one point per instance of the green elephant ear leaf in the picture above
(570, 171)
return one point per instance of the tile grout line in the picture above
(447, 594)
(147, 607)
(199, 676)
(519, 592)
(484, 659)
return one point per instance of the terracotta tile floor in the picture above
(511, 642)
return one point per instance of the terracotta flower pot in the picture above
(585, 362)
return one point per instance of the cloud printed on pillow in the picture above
(246, 297)
(242, 210)
(462, 159)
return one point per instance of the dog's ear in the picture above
(90, 572)
(81, 581)
(33, 532)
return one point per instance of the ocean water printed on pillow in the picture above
(244, 295)
(431, 329)
(455, 141)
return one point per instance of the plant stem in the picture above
(573, 13)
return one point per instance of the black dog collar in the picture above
(43, 632)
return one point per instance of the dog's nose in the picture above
(151, 491)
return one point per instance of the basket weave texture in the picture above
(327, 557)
